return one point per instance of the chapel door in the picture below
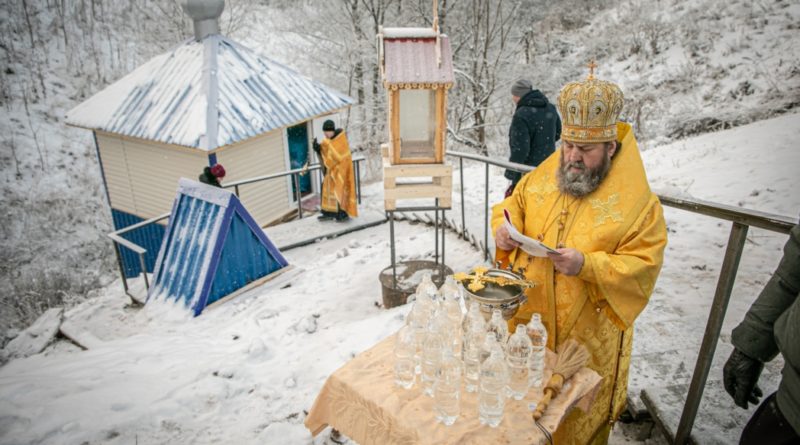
(298, 155)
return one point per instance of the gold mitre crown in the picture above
(590, 109)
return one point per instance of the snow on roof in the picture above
(206, 95)
(408, 33)
(414, 61)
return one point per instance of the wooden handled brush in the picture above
(572, 356)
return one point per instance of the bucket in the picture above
(409, 275)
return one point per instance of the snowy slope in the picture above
(246, 371)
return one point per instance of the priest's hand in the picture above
(569, 262)
(503, 239)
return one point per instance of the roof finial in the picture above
(591, 66)
(205, 15)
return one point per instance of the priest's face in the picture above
(584, 166)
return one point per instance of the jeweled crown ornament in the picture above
(590, 109)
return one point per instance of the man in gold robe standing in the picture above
(591, 201)
(338, 186)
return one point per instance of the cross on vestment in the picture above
(606, 210)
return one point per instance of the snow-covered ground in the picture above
(247, 371)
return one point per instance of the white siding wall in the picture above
(143, 177)
(267, 200)
(115, 167)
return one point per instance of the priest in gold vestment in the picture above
(338, 199)
(591, 201)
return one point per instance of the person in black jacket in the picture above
(213, 175)
(770, 327)
(534, 130)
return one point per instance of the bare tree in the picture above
(482, 52)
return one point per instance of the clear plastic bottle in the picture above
(519, 350)
(404, 351)
(473, 317)
(492, 393)
(538, 335)
(473, 338)
(488, 344)
(447, 389)
(419, 318)
(449, 297)
(431, 356)
(498, 326)
(427, 287)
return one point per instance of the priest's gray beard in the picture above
(581, 183)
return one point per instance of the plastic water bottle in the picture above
(488, 344)
(519, 352)
(447, 389)
(492, 394)
(538, 335)
(404, 350)
(418, 319)
(473, 339)
(426, 287)
(473, 317)
(498, 326)
(449, 297)
(431, 356)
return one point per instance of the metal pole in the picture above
(436, 231)
(391, 244)
(727, 275)
(296, 179)
(358, 180)
(441, 274)
(463, 217)
(236, 189)
(144, 271)
(121, 267)
(486, 216)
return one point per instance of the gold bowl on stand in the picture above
(495, 289)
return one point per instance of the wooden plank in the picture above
(411, 170)
(389, 183)
(80, 337)
(37, 336)
(389, 204)
(441, 124)
(402, 191)
(394, 125)
(385, 150)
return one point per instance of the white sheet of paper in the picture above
(529, 245)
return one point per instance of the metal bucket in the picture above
(396, 290)
(506, 298)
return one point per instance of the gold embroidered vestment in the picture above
(338, 186)
(620, 230)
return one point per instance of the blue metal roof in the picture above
(212, 248)
(206, 95)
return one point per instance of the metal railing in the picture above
(140, 251)
(742, 220)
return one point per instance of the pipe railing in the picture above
(741, 219)
(140, 251)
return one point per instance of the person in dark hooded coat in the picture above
(212, 175)
(770, 327)
(534, 130)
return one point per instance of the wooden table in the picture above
(362, 401)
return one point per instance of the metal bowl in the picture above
(493, 296)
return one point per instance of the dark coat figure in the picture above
(534, 131)
(771, 326)
(212, 175)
